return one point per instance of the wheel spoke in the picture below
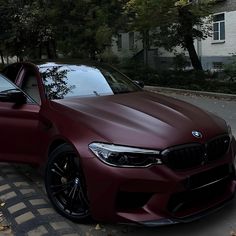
(61, 185)
(66, 186)
(82, 198)
(71, 199)
(56, 172)
(55, 193)
(59, 169)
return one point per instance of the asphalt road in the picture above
(29, 212)
(222, 107)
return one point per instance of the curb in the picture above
(185, 91)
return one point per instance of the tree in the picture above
(25, 28)
(172, 23)
(86, 27)
(81, 28)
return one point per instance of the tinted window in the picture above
(79, 81)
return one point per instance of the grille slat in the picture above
(194, 155)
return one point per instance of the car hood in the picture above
(143, 119)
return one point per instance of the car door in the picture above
(20, 134)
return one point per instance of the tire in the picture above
(65, 184)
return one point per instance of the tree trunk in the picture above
(2, 59)
(145, 46)
(196, 63)
(186, 21)
(40, 51)
(54, 46)
(48, 48)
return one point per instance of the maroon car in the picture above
(111, 150)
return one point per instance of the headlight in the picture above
(121, 156)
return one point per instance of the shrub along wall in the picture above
(202, 81)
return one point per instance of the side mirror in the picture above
(14, 96)
(139, 83)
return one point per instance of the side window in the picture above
(5, 85)
(30, 85)
(12, 71)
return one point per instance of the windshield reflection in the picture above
(62, 81)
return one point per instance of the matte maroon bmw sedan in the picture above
(112, 151)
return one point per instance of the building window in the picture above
(119, 42)
(131, 40)
(219, 27)
(218, 65)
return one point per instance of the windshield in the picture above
(62, 81)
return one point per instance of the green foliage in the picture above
(25, 29)
(84, 28)
(172, 23)
(138, 71)
(190, 80)
(109, 57)
(180, 62)
(230, 69)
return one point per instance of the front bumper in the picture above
(152, 196)
(189, 219)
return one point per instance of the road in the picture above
(29, 212)
(222, 107)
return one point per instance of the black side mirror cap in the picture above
(14, 96)
(139, 83)
(18, 97)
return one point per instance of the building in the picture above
(213, 52)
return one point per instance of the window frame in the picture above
(218, 23)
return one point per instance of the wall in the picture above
(220, 52)
(125, 51)
(209, 51)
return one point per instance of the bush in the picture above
(109, 57)
(192, 80)
(180, 62)
(138, 71)
(230, 69)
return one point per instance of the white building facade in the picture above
(218, 49)
(213, 52)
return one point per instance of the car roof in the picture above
(67, 62)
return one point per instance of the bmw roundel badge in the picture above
(197, 134)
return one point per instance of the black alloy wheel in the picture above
(65, 184)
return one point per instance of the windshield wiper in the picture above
(96, 93)
(8, 90)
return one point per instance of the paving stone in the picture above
(71, 235)
(46, 211)
(36, 202)
(16, 207)
(59, 225)
(27, 191)
(4, 187)
(6, 232)
(12, 175)
(8, 196)
(24, 217)
(7, 169)
(21, 184)
(41, 230)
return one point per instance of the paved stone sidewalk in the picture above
(27, 208)
(29, 213)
